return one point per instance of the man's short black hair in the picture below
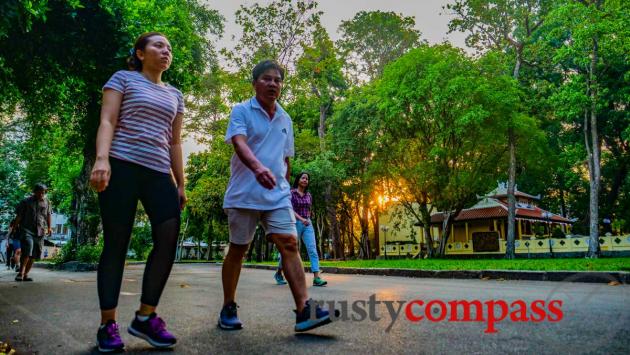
(39, 187)
(265, 65)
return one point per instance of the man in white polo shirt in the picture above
(262, 135)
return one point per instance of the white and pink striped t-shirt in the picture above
(144, 132)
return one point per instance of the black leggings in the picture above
(129, 183)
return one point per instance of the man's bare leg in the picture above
(231, 271)
(24, 260)
(292, 267)
(29, 264)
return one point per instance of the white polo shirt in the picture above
(271, 141)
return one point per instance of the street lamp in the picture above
(547, 216)
(385, 228)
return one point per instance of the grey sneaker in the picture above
(304, 321)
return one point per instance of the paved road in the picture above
(58, 314)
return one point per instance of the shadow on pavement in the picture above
(134, 350)
(314, 338)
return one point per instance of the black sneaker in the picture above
(304, 322)
(108, 338)
(153, 330)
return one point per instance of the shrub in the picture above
(67, 253)
(90, 253)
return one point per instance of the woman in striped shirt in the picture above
(302, 202)
(138, 146)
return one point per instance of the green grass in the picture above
(565, 264)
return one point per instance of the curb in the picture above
(567, 276)
(69, 266)
(80, 266)
(621, 277)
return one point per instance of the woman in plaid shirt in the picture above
(302, 202)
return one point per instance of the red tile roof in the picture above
(499, 212)
(518, 194)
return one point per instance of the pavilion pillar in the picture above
(520, 233)
(466, 224)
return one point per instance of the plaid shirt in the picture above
(301, 204)
(34, 215)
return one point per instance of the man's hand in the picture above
(265, 177)
(305, 222)
(49, 231)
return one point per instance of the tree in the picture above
(276, 31)
(373, 39)
(326, 174)
(354, 137)
(508, 25)
(12, 187)
(207, 175)
(320, 67)
(320, 70)
(441, 113)
(69, 51)
(593, 37)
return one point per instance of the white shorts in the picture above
(242, 223)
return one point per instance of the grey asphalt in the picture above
(58, 314)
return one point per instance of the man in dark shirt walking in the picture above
(34, 220)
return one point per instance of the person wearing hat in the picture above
(33, 217)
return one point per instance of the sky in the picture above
(431, 21)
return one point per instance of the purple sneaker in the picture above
(108, 338)
(153, 330)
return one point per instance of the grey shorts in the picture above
(243, 222)
(32, 245)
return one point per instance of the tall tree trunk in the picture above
(425, 214)
(84, 217)
(331, 213)
(343, 231)
(510, 248)
(377, 235)
(321, 130)
(509, 252)
(446, 230)
(428, 240)
(365, 227)
(595, 174)
(350, 238)
(320, 222)
(563, 203)
(331, 209)
(517, 65)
